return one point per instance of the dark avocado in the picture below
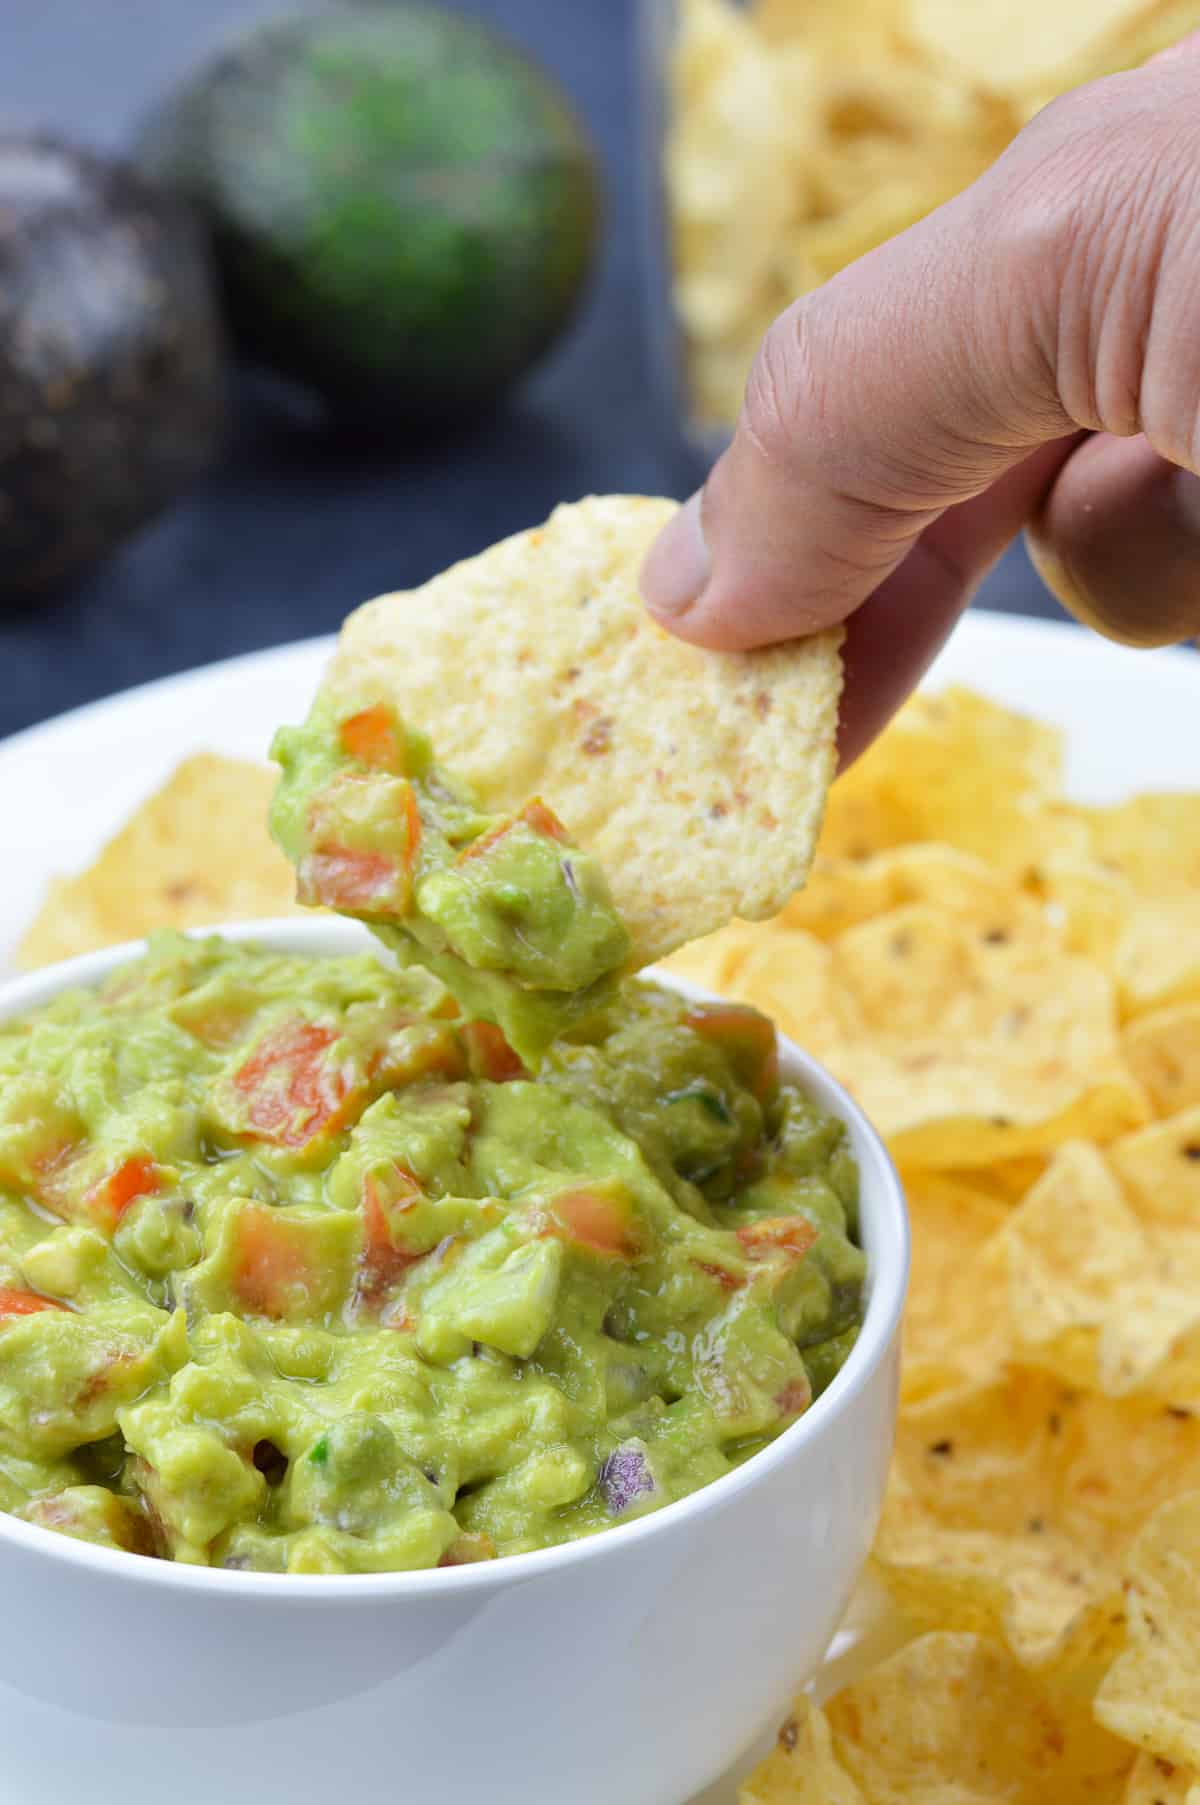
(404, 208)
(112, 395)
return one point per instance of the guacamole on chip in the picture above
(517, 921)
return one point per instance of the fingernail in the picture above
(1187, 500)
(677, 566)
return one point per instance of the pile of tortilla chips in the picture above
(1010, 984)
(805, 132)
(195, 854)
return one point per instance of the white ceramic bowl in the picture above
(626, 1669)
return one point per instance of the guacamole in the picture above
(515, 920)
(301, 1271)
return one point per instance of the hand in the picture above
(1026, 357)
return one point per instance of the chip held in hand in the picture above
(697, 778)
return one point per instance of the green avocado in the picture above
(404, 208)
(111, 359)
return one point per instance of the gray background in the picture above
(296, 528)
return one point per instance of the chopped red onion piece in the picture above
(625, 1478)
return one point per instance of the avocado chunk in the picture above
(404, 208)
(112, 396)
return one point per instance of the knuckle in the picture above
(782, 402)
(1091, 199)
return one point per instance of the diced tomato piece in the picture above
(489, 1053)
(793, 1235)
(467, 1548)
(109, 1366)
(124, 1523)
(135, 1177)
(728, 1281)
(273, 1260)
(412, 819)
(746, 1038)
(337, 878)
(534, 815)
(383, 1263)
(795, 1398)
(25, 1303)
(476, 848)
(371, 879)
(372, 737)
(291, 1091)
(543, 820)
(601, 1218)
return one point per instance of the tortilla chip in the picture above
(1152, 1692)
(1010, 1508)
(1153, 840)
(726, 169)
(802, 1769)
(195, 854)
(1097, 1295)
(1007, 1181)
(1092, 903)
(790, 977)
(1157, 960)
(967, 1040)
(1026, 1449)
(1156, 1781)
(949, 1720)
(1037, 1593)
(959, 770)
(841, 893)
(1160, 1165)
(1162, 1050)
(698, 778)
(898, 200)
(1023, 44)
(1131, 902)
(953, 1720)
(830, 26)
(715, 962)
(1168, 24)
(951, 1223)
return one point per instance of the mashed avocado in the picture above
(513, 918)
(301, 1271)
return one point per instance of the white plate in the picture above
(1130, 720)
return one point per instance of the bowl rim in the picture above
(882, 1204)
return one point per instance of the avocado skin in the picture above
(112, 386)
(404, 209)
